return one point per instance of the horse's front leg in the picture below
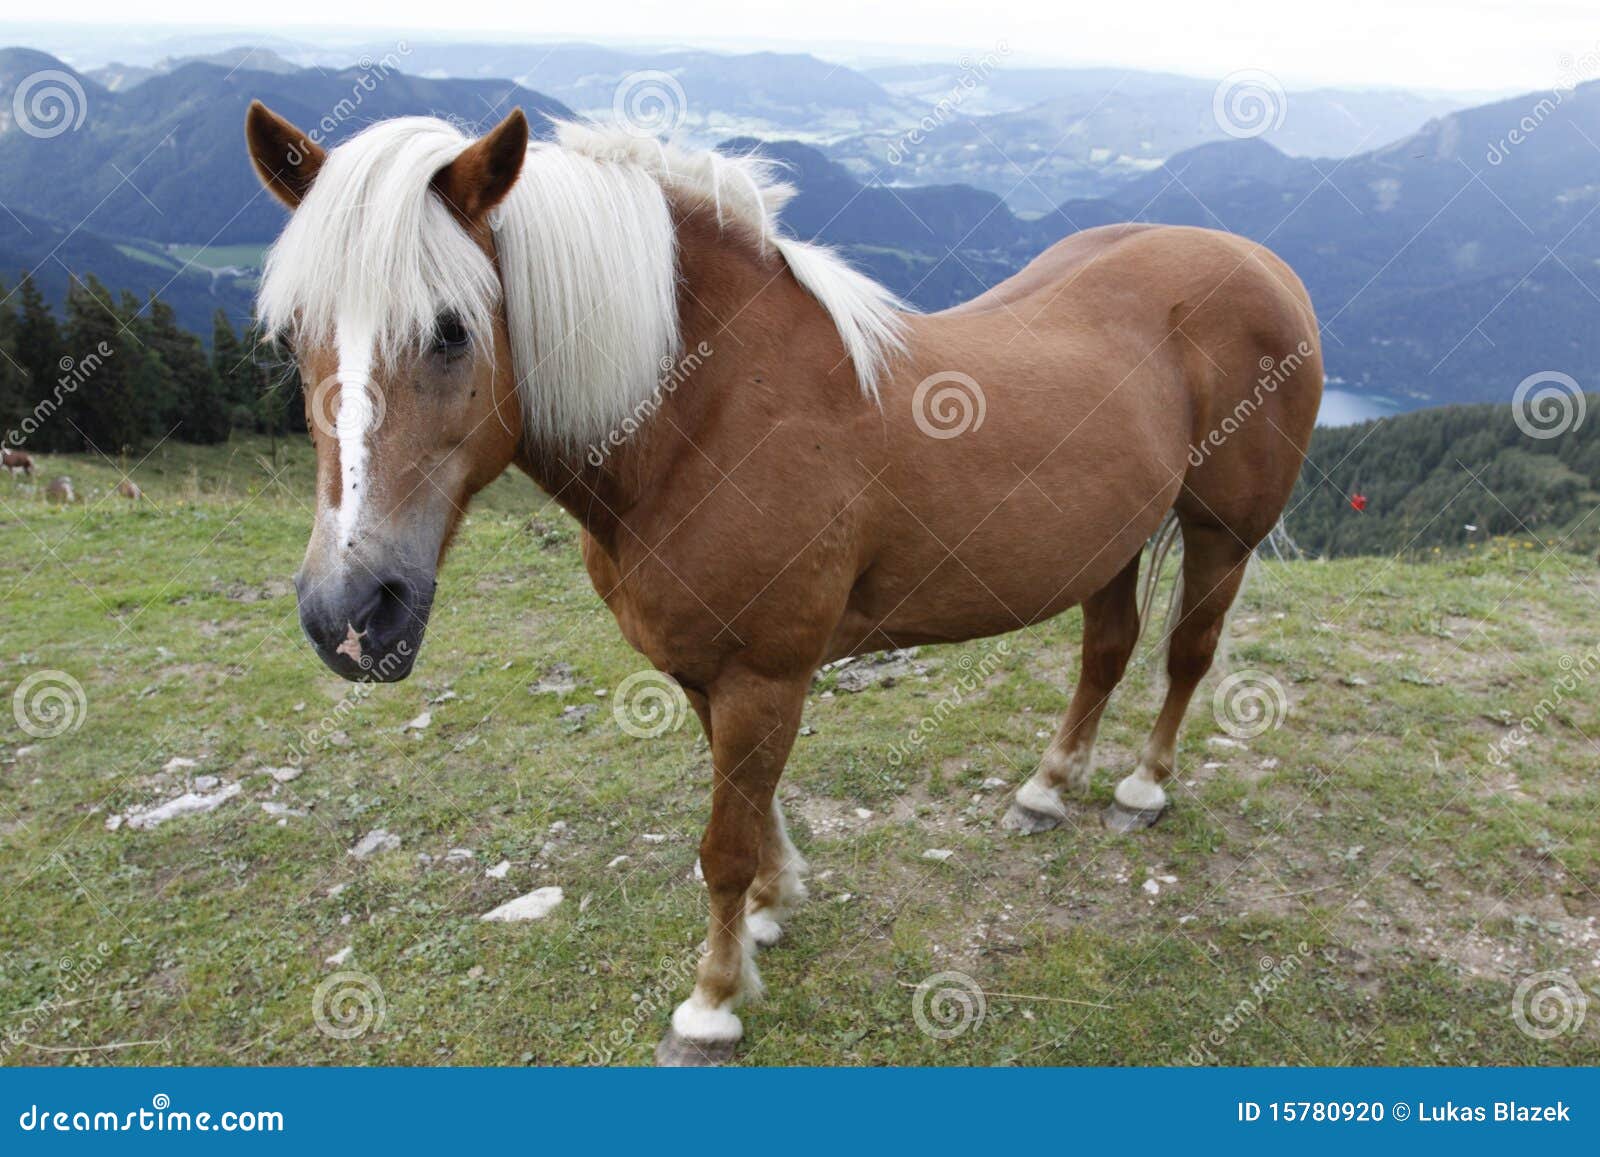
(754, 719)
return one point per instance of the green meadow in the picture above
(1401, 867)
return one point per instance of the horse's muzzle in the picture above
(367, 629)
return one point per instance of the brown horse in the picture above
(774, 467)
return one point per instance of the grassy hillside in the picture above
(1359, 884)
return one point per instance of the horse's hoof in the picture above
(676, 1052)
(1131, 819)
(1028, 822)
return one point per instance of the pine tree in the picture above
(101, 409)
(189, 398)
(39, 352)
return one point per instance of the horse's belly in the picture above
(1030, 559)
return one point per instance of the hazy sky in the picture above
(1474, 45)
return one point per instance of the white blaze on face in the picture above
(353, 424)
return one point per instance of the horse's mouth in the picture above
(371, 635)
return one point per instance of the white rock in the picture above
(456, 855)
(274, 808)
(618, 860)
(178, 763)
(498, 872)
(863, 813)
(1223, 741)
(113, 823)
(653, 838)
(993, 783)
(536, 905)
(339, 957)
(206, 782)
(420, 723)
(283, 774)
(189, 803)
(377, 840)
(939, 854)
(1268, 764)
(1152, 887)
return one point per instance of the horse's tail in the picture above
(1160, 546)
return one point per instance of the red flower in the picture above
(1358, 502)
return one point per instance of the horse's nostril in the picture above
(390, 612)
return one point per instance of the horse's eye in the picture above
(449, 336)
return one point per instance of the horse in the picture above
(17, 462)
(775, 465)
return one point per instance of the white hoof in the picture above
(763, 929)
(696, 1021)
(1140, 791)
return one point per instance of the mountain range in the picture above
(1445, 266)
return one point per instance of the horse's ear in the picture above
(478, 179)
(286, 159)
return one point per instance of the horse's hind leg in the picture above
(1110, 631)
(779, 883)
(1214, 562)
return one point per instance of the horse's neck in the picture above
(725, 289)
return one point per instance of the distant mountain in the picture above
(120, 77)
(165, 160)
(760, 93)
(1083, 131)
(1447, 266)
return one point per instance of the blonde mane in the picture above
(587, 263)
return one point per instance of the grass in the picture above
(1358, 885)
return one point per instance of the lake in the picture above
(1342, 408)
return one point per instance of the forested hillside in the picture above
(1448, 478)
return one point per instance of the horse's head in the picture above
(384, 284)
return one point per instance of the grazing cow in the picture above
(18, 462)
(60, 492)
(129, 489)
